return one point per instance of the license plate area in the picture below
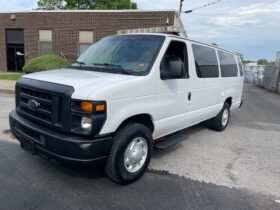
(27, 145)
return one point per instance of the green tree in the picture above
(244, 61)
(86, 4)
(247, 61)
(215, 44)
(262, 62)
(50, 4)
(272, 63)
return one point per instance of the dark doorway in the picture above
(15, 49)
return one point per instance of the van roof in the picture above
(183, 38)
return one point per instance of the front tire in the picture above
(220, 122)
(130, 154)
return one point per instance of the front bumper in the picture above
(59, 145)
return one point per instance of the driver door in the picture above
(174, 96)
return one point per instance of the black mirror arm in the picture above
(164, 75)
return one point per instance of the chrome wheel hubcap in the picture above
(135, 154)
(225, 117)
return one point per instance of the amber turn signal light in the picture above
(100, 107)
(86, 106)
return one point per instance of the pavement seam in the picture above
(171, 175)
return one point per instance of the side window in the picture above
(240, 66)
(206, 61)
(228, 64)
(176, 50)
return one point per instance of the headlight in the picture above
(86, 123)
(87, 117)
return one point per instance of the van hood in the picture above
(84, 82)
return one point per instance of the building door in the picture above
(15, 49)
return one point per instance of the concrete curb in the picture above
(5, 90)
(7, 86)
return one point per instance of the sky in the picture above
(252, 27)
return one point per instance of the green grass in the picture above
(7, 76)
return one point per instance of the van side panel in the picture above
(175, 111)
(207, 97)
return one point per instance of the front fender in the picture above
(120, 110)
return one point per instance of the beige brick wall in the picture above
(65, 28)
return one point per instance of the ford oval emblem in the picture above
(33, 104)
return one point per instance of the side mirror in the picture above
(173, 68)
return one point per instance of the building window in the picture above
(85, 40)
(45, 42)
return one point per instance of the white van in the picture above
(125, 95)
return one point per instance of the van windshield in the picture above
(124, 54)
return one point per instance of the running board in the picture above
(170, 140)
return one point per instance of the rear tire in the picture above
(220, 122)
(130, 154)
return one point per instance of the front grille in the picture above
(44, 112)
(53, 99)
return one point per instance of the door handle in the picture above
(189, 96)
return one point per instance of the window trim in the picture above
(186, 59)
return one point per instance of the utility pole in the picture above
(181, 4)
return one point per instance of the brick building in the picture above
(25, 35)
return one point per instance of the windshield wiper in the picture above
(107, 64)
(80, 63)
(118, 67)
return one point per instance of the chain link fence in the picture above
(265, 76)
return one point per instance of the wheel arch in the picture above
(145, 119)
(229, 101)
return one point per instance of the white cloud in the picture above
(17, 5)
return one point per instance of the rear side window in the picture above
(240, 66)
(206, 62)
(228, 64)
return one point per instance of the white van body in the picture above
(163, 105)
(166, 101)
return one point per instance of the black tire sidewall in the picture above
(226, 106)
(121, 141)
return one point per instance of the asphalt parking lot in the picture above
(236, 169)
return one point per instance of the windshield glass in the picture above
(129, 54)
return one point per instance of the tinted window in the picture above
(179, 50)
(228, 64)
(240, 66)
(205, 61)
